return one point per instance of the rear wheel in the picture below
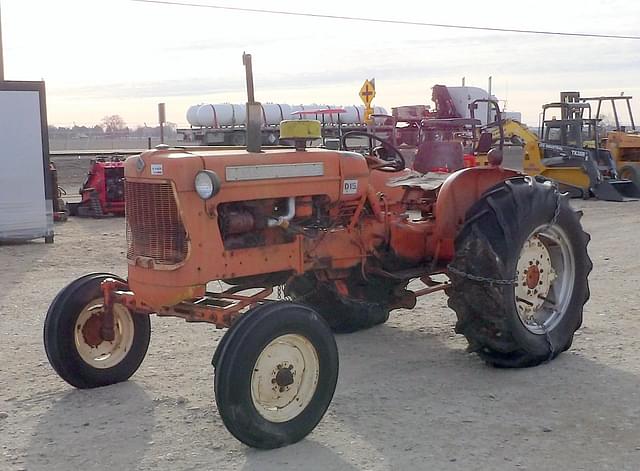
(238, 138)
(74, 343)
(519, 275)
(275, 374)
(367, 304)
(630, 172)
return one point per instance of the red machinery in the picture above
(103, 190)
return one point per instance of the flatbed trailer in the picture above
(237, 135)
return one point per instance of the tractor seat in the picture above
(484, 143)
(445, 156)
(426, 182)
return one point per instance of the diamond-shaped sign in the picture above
(367, 92)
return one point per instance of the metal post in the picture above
(489, 98)
(246, 61)
(370, 121)
(254, 118)
(633, 125)
(463, 81)
(615, 115)
(1, 53)
(162, 118)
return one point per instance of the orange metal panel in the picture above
(456, 196)
(409, 239)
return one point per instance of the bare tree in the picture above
(113, 123)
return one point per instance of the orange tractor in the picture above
(339, 235)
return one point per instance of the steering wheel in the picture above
(389, 158)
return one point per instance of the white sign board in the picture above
(26, 205)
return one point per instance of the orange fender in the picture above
(457, 194)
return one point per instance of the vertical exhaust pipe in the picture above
(254, 110)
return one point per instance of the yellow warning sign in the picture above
(367, 92)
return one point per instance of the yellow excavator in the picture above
(564, 153)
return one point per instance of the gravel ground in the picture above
(408, 396)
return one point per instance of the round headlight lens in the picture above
(207, 184)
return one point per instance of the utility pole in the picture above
(1, 55)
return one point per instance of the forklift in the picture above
(572, 142)
(567, 150)
(624, 140)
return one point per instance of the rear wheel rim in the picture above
(285, 378)
(545, 274)
(95, 351)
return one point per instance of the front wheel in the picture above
(73, 340)
(275, 374)
(520, 274)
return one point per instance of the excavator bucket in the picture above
(626, 188)
(616, 190)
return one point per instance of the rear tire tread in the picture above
(483, 316)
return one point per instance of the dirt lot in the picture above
(408, 396)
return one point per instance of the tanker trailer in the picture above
(225, 123)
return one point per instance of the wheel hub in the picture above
(535, 275)
(91, 345)
(285, 377)
(91, 330)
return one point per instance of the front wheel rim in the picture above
(545, 274)
(95, 351)
(285, 378)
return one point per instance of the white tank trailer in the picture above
(227, 114)
(224, 123)
(463, 96)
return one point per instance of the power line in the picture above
(379, 20)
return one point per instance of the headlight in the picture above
(207, 184)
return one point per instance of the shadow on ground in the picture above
(417, 403)
(407, 407)
(104, 428)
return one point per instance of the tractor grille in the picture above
(154, 227)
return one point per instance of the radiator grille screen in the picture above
(154, 227)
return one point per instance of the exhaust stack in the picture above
(254, 119)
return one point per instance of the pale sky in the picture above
(103, 57)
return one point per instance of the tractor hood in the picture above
(176, 165)
(243, 175)
(176, 239)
